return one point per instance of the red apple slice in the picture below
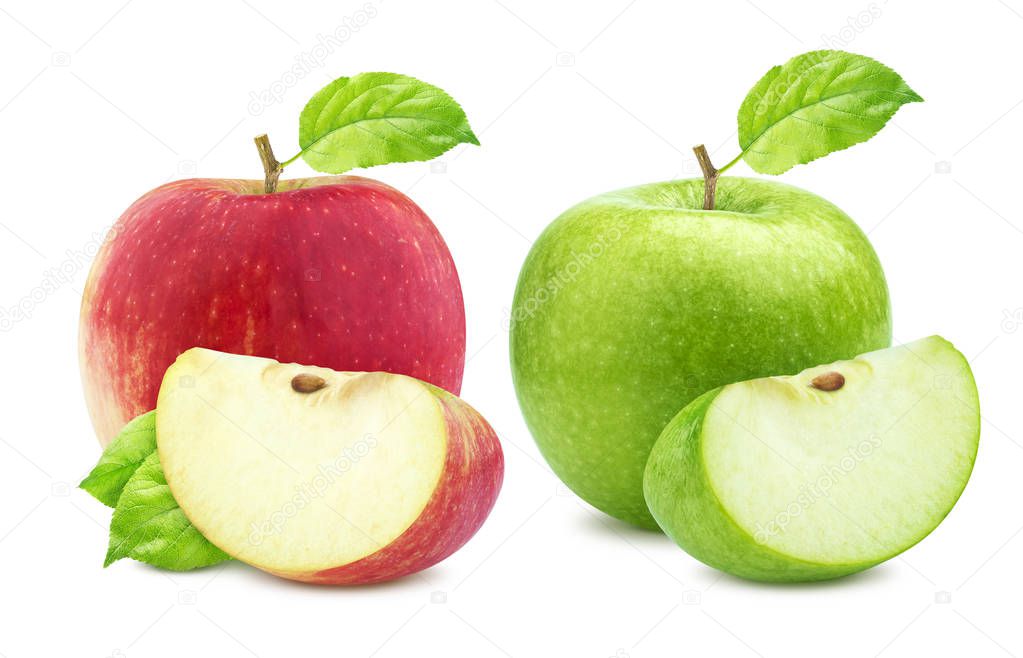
(323, 476)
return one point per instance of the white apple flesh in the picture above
(820, 474)
(322, 476)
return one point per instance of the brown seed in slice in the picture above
(306, 383)
(829, 381)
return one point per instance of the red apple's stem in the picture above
(271, 168)
(710, 176)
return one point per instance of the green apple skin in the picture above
(633, 303)
(701, 526)
(926, 444)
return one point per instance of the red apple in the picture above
(321, 476)
(344, 272)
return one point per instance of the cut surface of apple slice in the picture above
(823, 473)
(323, 476)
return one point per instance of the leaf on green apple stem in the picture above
(814, 104)
(148, 525)
(121, 458)
(376, 118)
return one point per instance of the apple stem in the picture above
(710, 176)
(271, 167)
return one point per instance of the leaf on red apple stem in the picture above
(376, 118)
(814, 104)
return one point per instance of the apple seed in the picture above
(306, 383)
(829, 381)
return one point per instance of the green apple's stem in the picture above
(271, 168)
(710, 176)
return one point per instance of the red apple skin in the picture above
(472, 478)
(344, 272)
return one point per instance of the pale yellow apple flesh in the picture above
(827, 434)
(298, 470)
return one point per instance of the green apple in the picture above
(633, 303)
(820, 474)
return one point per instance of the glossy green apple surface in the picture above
(793, 479)
(633, 303)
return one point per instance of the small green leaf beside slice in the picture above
(814, 104)
(375, 118)
(148, 525)
(121, 458)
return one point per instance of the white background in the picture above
(101, 101)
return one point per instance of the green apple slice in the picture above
(820, 474)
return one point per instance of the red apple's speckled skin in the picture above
(472, 477)
(342, 272)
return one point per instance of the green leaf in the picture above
(120, 459)
(814, 104)
(376, 118)
(148, 525)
